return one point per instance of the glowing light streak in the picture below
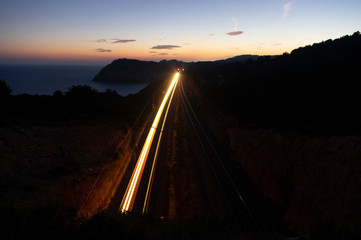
(130, 193)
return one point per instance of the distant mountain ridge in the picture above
(239, 58)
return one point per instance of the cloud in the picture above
(154, 53)
(114, 40)
(234, 33)
(287, 8)
(101, 50)
(235, 24)
(123, 40)
(168, 47)
(210, 35)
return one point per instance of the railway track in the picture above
(238, 209)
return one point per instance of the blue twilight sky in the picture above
(98, 31)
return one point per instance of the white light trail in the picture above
(130, 193)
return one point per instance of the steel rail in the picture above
(219, 160)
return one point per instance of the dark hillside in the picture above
(240, 58)
(292, 123)
(315, 88)
(135, 71)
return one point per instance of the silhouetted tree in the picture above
(82, 91)
(58, 93)
(5, 90)
(111, 92)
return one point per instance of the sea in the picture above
(46, 79)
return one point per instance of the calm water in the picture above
(45, 79)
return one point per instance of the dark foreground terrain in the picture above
(289, 126)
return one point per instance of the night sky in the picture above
(98, 31)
